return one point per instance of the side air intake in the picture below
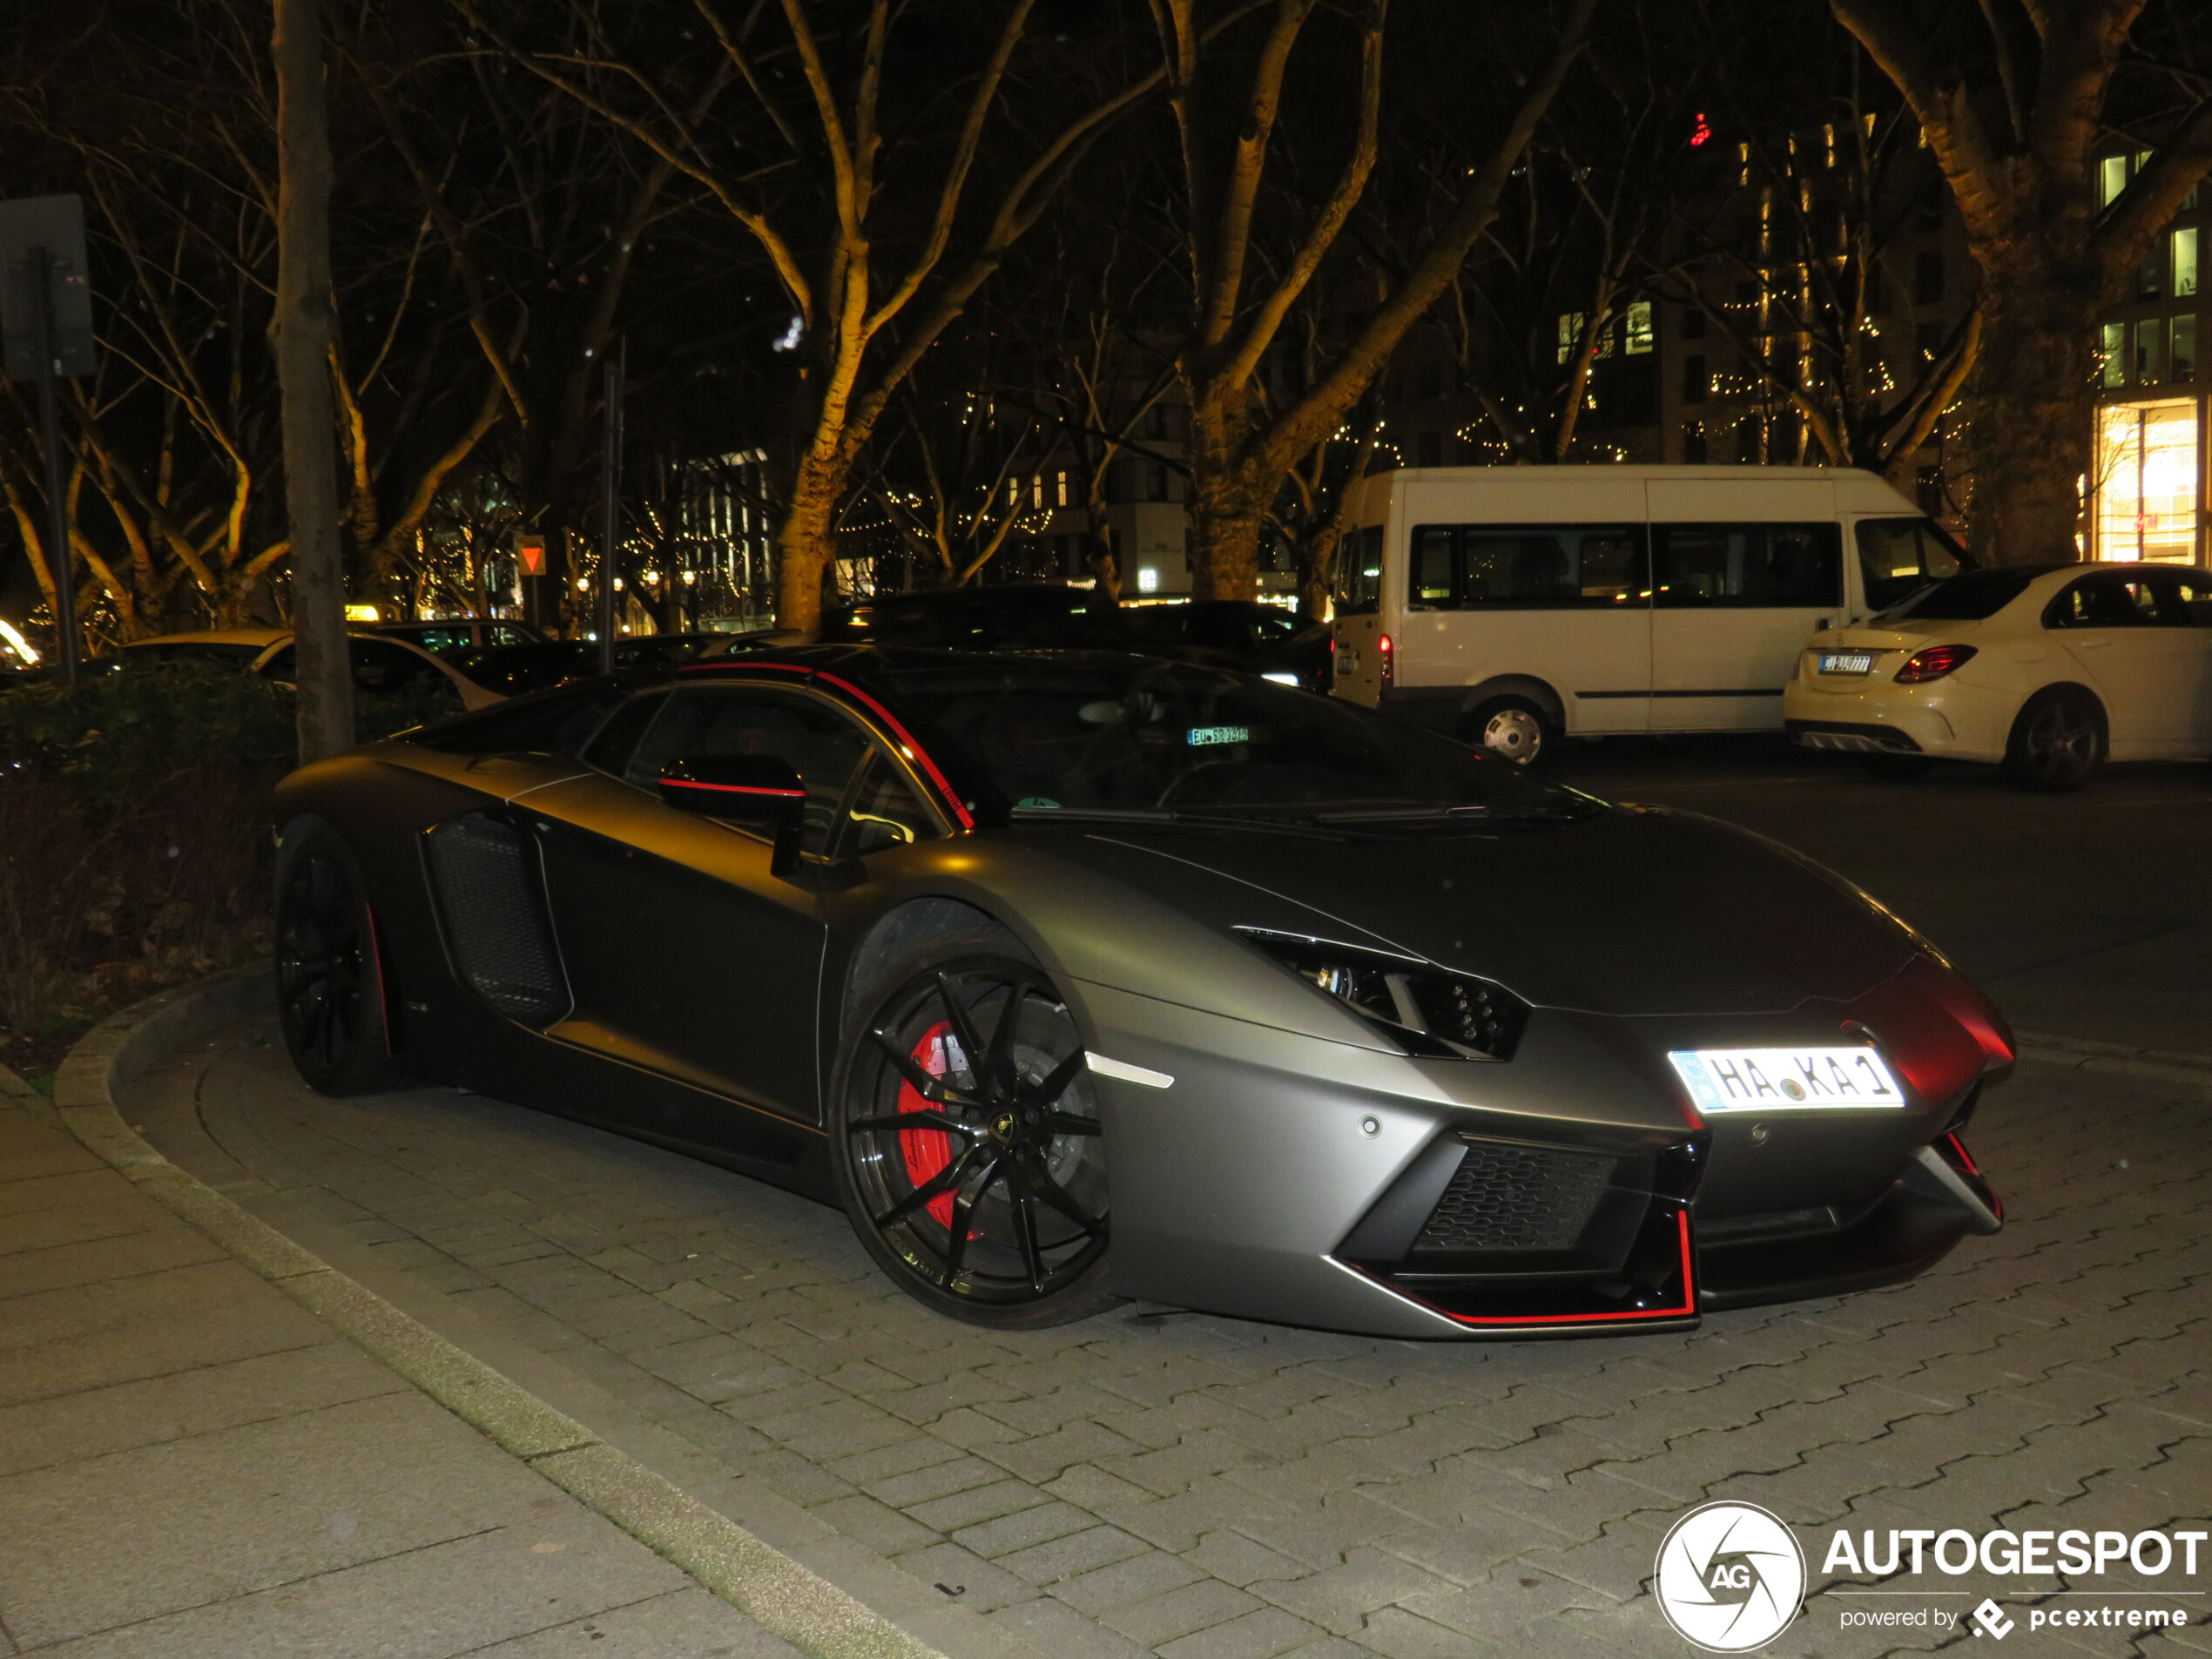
(491, 896)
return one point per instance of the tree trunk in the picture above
(805, 544)
(2031, 408)
(1225, 513)
(1223, 507)
(303, 329)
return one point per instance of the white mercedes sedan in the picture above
(2046, 671)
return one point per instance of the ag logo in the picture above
(1730, 1577)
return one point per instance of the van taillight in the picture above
(1389, 656)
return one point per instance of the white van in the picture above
(1515, 605)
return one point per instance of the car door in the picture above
(2108, 623)
(1731, 607)
(2185, 607)
(687, 954)
(1568, 604)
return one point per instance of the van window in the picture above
(1359, 571)
(1431, 585)
(1748, 566)
(1548, 566)
(1898, 557)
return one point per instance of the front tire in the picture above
(965, 1137)
(2057, 743)
(329, 979)
(1512, 728)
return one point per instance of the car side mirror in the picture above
(758, 791)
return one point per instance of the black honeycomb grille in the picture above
(489, 892)
(1517, 1198)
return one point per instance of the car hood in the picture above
(1634, 911)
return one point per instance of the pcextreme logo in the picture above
(1730, 1577)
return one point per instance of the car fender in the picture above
(1170, 941)
(1537, 691)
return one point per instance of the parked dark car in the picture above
(1358, 1027)
(544, 664)
(1244, 636)
(447, 636)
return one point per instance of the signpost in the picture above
(46, 317)
(539, 565)
(611, 506)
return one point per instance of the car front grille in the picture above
(1508, 1196)
(490, 893)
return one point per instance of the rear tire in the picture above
(1512, 728)
(2057, 743)
(992, 1208)
(329, 973)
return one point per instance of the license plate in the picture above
(1780, 1080)
(1847, 662)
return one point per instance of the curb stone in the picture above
(778, 1593)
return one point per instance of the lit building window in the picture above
(1571, 334)
(2112, 353)
(2185, 261)
(1639, 336)
(2112, 179)
(2145, 481)
(2150, 341)
(2182, 343)
(1148, 579)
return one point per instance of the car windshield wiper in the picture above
(1166, 818)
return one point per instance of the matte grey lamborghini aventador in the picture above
(1073, 977)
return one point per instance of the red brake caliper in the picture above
(927, 1150)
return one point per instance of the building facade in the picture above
(2146, 494)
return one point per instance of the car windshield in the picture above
(1132, 737)
(1972, 596)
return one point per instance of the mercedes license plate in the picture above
(1847, 662)
(1772, 1079)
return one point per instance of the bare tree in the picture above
(2012, 95)
(863, 314)
(1243, 442)
(1823, 336)
(956, 478)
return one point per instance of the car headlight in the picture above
(1423, 1009)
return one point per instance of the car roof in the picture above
(259, 638)
(867, 661)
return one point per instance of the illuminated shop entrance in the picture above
(2149, 469)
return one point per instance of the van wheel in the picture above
(2057, 742)
(1512, 728)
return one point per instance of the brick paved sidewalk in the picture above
(1194, 1488)
(192, 1467)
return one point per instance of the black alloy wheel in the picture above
(330, 995)
(967, 1145)
(2057, 743)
